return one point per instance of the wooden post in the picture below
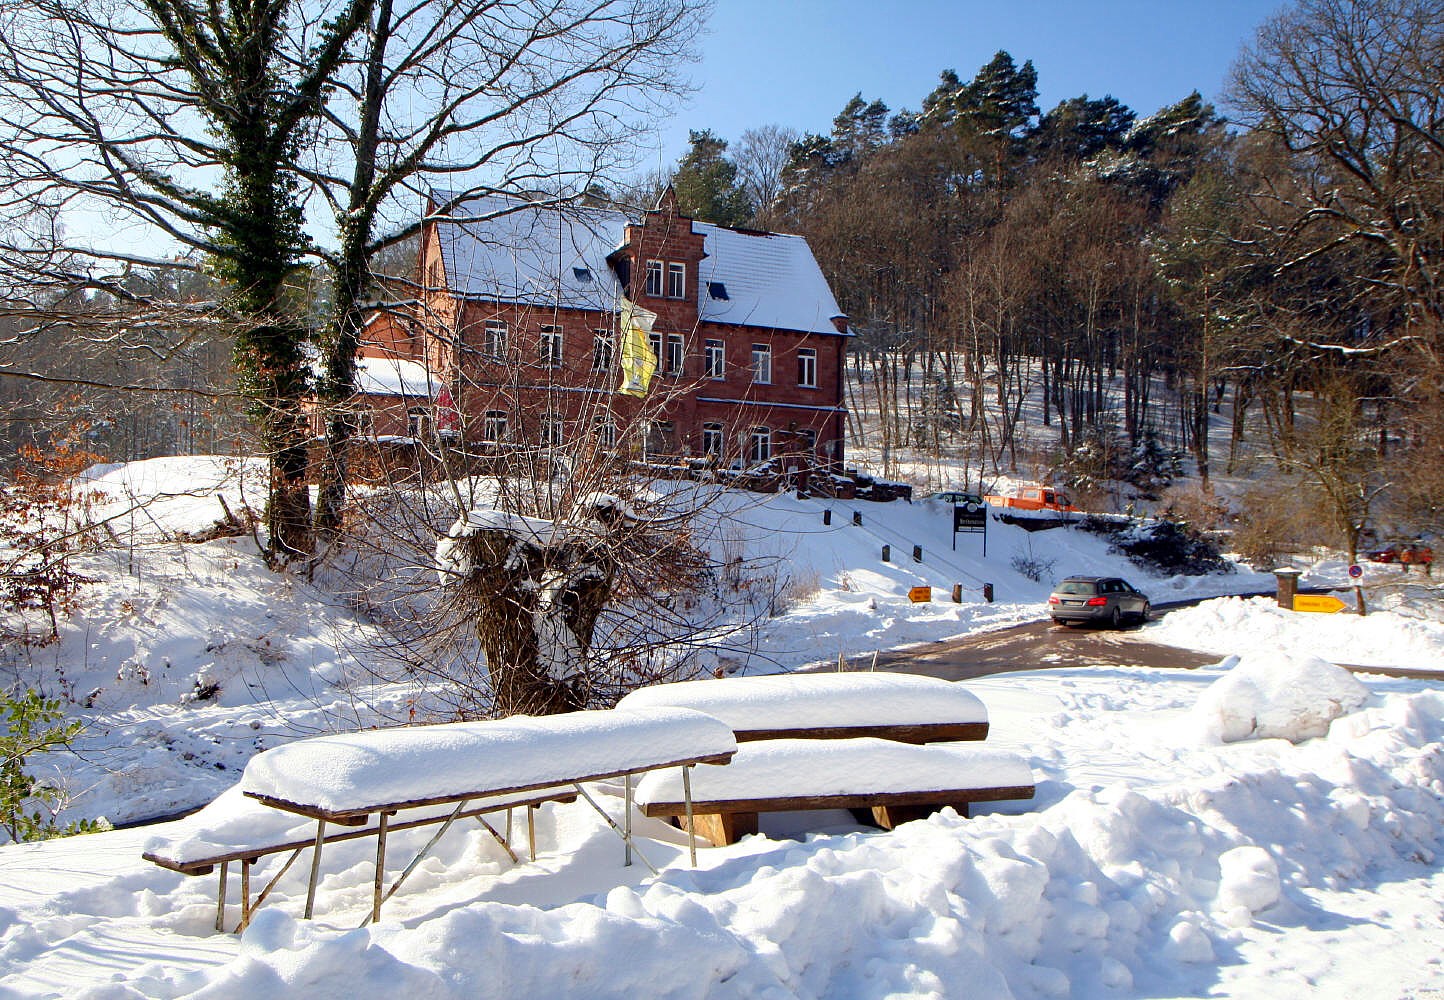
(315, 868)
(917, 553)
(957, 593)
(1288, 586)
(627, 820)
(245, 893)
(687, 798)
(988, 592)
(857, 518)
(531, 830)
(887, 553)
(221, 903)
(378, 882)
(827, 517)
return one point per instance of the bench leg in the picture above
(380, 877)
(245, 893)
(627, 820)
(315, 868)
(722, 828)
(221, 903)
(687, 799)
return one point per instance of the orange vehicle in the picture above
(1035, 498)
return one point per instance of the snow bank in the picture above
(355, 772)
(864, 766)
(795, 701)
(1233, 624)
(1108, 893)
(1277, 695)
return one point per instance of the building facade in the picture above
(517, 327)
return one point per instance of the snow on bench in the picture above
(898, 781)
(908, 708)
(383, 780)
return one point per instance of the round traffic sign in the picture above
(1356, 571)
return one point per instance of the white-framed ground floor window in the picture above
(759, 445)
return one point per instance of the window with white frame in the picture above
(759, 445)
(654, 278)
(676, 353)
(716, 358)
(553, 431)
(493, 340)
(418, 422)
(654, 341)
(712, 439)
(807, 442)
(603, 347)
(494, 425)
(762, 364)
(605, 430)
(551, 347)
(676, 280)
(807, 368)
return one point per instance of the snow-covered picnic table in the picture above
(908, 708)
(373, 782)
(834, 740)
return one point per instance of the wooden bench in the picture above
(897, 782)
(373, 783)
(861, 741)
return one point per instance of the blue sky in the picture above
(797, 62)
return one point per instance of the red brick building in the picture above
(518, 322)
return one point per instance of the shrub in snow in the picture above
(1277, 695)
(1162, 546)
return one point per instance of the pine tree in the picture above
(706, 183)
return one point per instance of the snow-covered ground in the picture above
(1155, 861)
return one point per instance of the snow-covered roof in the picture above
(544, 256)
(394, 377)
(356, 772)
(505, 249)
(821, 700)
(771, 280)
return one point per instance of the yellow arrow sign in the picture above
(1322, 603)
(920, 595)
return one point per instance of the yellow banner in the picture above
(638, 362)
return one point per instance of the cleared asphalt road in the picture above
(1036, 646)
(1045, 646)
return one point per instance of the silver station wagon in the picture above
(1108, 599)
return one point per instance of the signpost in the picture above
(920, 595)
(968, 518)
(1325, 604)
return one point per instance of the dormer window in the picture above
(582, 274)
(717, 290)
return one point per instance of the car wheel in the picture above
(1143, 615)
(1116, 619)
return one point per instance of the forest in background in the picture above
(1272, 259)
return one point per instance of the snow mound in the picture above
(1277, 695)
(1248, 878)
(1230, 625)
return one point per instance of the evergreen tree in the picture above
(1080, 128)
(706, 183)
